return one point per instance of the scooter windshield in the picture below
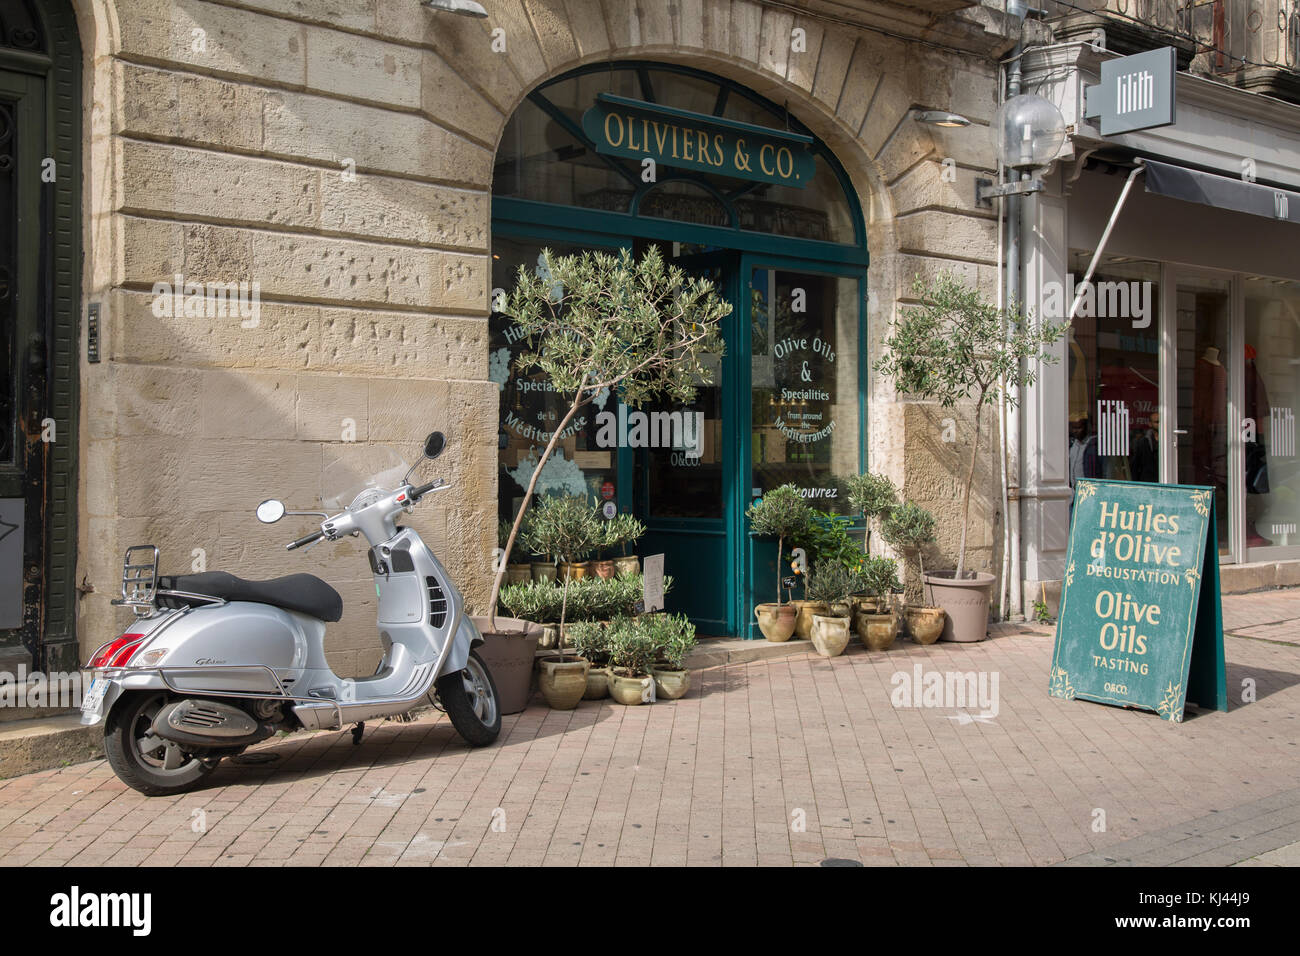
(352, 469)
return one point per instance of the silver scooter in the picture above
(214, 663)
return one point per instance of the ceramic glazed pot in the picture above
(628, 565)
(629, 689)
(670, 684)
(925, 624)
(830, 635)
(863, 602)
(877, 630)
(966, 603)
(508, 653)
(776, 621)
(563, 682)
(841, 610)
(518, 573)
(542, 571)
(574, 572)
(803, 621)
(604, 569)
(597, 683)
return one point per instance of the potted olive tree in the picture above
(778, 514)
(880, 580)
(674, 636)
(830, 585)
(909, 527)
(590, 641)
(953, 348)
(625, 530)
(595, 322)
(568, 527)
(632, 652)
(874, 496)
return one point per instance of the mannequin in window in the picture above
(1257, 409)
(1083, 449)
(1144, 455)
(1209, 420)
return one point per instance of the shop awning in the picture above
(1223, 192)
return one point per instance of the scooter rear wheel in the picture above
(470, 699)
(144, 761)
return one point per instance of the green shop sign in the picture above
(1141, 623)
(681, 139)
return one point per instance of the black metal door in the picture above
(25, 424)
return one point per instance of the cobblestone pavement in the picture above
(783, 761)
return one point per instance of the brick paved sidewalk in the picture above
(726, 775)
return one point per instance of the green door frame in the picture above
(51, 51)
(743, 551)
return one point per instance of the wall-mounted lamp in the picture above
(940, 118)
(465, 8)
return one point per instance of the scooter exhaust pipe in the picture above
(208, 723)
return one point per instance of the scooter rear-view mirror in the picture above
(434, 444)
(270, 511)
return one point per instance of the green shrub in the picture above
(590, 640)
(780, 514)
(674, 636)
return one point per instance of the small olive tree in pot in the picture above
(830, 584)
(954, 348)
(778, 514)
(909, 527)
(880, 579)
(595, 322)
(567, 527)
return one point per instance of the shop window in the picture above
(804, 383)
(1113, 369)
(1271, 364)
(530, 409)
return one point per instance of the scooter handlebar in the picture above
(314, 536)
(423, 490)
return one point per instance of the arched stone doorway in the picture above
(783, 240)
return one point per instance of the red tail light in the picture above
(117, 652)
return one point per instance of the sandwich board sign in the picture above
(1141, 622)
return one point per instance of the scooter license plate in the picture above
(93, 702)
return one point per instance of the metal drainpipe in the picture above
(1015, 465)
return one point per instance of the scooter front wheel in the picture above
(144, 761)
(470, 699)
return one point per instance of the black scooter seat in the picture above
(304, 593)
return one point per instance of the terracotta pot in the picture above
(776, 621)
(604, 569)
(631, 689)
(841, 610)
(803, 621)
(509, 658)
(597, 683)
(925, 624)
(877, 630)
(518, 573)
(830, 635)
(628, 565)
(542, 571)
(670, 684)
(563, 681)
(966, 603)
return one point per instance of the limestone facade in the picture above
(339, 153)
